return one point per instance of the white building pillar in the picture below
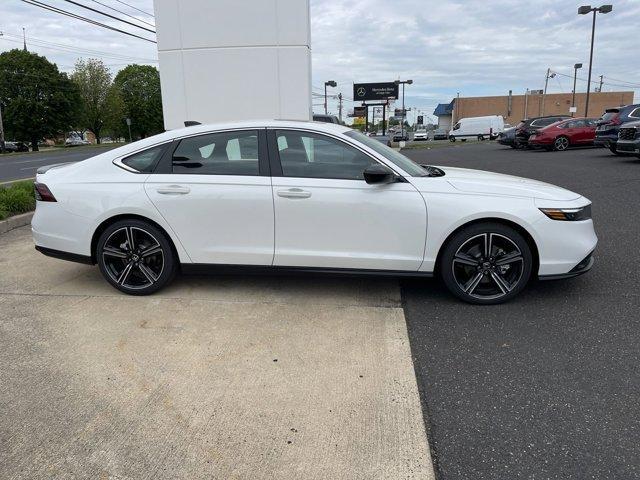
(226, 60)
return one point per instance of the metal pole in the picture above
(384, 120)
(129, 126)
(593, 32)
(402, 124)
(340, 107)
(544, 95)
(573, 98)
(325, 98)
(526, 103)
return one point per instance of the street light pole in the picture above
(585, 9)
(575, 75)
(330, 83)
(404, 113)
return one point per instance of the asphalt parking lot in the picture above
(235, 377)
(547, 386)
(18, 166)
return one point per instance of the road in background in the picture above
(546, 386)
(16, 166)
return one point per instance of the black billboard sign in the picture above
(420, 119)
(374, 91)
(400, 112)
(359, 111)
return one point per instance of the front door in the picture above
(327, 216)
(215, 192)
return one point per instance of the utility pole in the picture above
(600, 87)
(1, 131)
(340, 107)
(546, 83)
(24, 39)
(526, 103)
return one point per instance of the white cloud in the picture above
(476, 47)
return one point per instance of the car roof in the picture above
(320, 127)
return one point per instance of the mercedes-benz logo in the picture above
(361, 91)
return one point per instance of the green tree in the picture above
(37, 99)
(93, 80)
(116, 114)
(139, 88)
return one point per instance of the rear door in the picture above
(214, 190)
(327, 216)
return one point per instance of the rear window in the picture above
(609, 115)
(145, 161)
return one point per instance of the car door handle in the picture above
(294, 193)
(173, 190)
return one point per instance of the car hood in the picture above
(489, 183)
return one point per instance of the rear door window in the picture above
(225, 153)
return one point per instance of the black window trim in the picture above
(119, 162)
(274, 153)
(165, 165)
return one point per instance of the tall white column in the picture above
(226, 60)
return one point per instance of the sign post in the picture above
(128, 120)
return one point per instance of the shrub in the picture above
(16, 198)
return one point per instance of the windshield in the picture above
(390, 154)
(609, 115)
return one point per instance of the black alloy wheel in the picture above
(135, 257)
(561, 143)
(486, 263)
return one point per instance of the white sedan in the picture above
(285, 196)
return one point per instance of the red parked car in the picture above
(565, 133)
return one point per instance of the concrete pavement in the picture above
(215, 377)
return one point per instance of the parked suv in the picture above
(610, 122)
(526, 127)
(629, 138)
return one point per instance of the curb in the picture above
(14, 222)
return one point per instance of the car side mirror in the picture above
(379, 174)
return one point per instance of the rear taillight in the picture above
(43, 194)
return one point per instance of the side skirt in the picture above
(221, 269)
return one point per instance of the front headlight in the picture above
(568, 214)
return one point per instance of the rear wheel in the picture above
(486, 263)
(561, 143)
(135, 257)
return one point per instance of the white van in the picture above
(477, 127)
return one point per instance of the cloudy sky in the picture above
(475, 47)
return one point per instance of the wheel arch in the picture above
(509, 223)
(127, 216)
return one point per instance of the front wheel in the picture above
(135, 257)
(452, 138)
(486, 263)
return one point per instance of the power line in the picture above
(123, 13)
(131, 6)
(71, 49)
(36, 3)
(110, 16)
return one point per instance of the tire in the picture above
(481, 138)
(614, 150)
(475, 277)
(452, 138)
(561, 143)
(133, 271)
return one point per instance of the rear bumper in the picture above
(71, 257)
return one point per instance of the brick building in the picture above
(517, 107)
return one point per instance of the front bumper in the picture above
(583, 267)
(630, 146)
